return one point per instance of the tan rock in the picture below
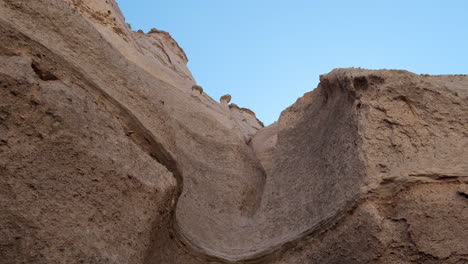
(197, 90)
(225, 99)
(264, 144)
(106, 157)
(73, 186)
(246, 121)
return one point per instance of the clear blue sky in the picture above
(266, 54)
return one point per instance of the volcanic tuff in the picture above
(108, 156)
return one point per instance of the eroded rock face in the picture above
(107, 155)
(246, 120)
(406, 126)
(168, 123)
(68, 193)
(164, 51)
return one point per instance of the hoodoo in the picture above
(197, 90)
(225, 99)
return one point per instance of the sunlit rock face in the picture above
(108, 154)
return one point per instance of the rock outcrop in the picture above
(246, 121)
(109, 155)
(402, 203)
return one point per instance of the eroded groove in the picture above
(387, 190)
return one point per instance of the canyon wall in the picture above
(108, 156)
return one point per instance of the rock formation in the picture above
(106, 157)
(246, 120)
(197, 90)
(225, 99)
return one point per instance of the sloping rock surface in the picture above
(106, 156)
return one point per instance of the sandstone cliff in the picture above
(107, 156)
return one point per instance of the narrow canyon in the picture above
(111, 153)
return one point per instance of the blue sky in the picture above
(266, 54)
